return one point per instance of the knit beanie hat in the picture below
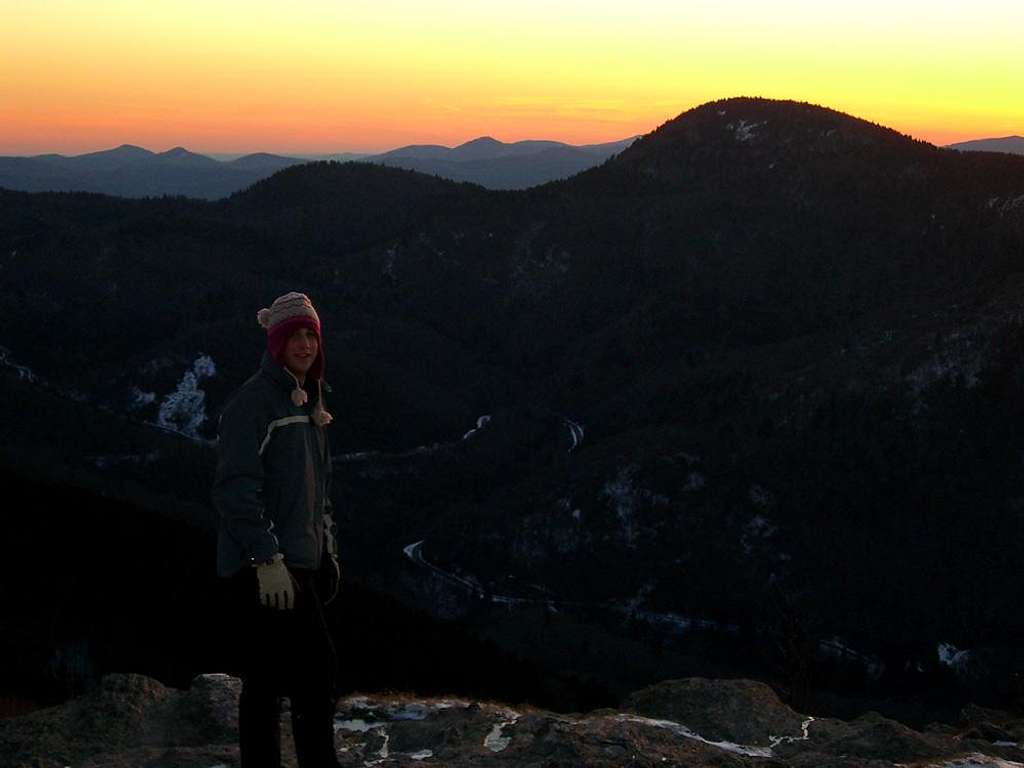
(286, 315)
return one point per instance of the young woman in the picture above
(276, 546)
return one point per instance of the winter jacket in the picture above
(273, 476)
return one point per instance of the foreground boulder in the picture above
(740, 711)
(131, 720)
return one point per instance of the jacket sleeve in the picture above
(238, 484)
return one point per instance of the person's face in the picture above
(300, 351)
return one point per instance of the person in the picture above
(276, 546)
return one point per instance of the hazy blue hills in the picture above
(499, 165)
(1011, 144)
(487, 148)
(263, 161)
(131, 171)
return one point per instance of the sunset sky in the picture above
(367, 75)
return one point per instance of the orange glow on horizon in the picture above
(317, 76)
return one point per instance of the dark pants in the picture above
(284, 653)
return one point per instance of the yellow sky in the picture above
(356, 75)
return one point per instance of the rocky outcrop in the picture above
(130, 720)
(134, 721)
(741, 711)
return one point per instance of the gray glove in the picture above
(276, 587)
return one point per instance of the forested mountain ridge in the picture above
(789, 341)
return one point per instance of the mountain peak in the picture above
(107, 158)
(481, 141)
(731, 113)
(180, 153)
(757, 134)
(133, 148)
(186, 157)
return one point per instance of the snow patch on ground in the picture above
(837, 649)
(975, 761)
(744, 130)
(184, 410)
(726, 746)
(952, 657)
(413, 711)
(496, 741)
(623, 495)
(686, 733)
(575, 433)
(805, 734)
(383, 753)
(759, 530)
(627, 498)
(414, 552)
(141, 399)
(680, 623)
(106, 461)
(565, 505)
(481, 422)
(694, 482)
(24, 372)
(357, 725)
(1007, 205)
(673, 622)
(959, 356)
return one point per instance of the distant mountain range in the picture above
(497, 165)
(131, 171)
(1012, 144)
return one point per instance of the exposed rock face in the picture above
(134, 721)
(130, 720)
(741, 711)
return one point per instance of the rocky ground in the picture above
(135, 721)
